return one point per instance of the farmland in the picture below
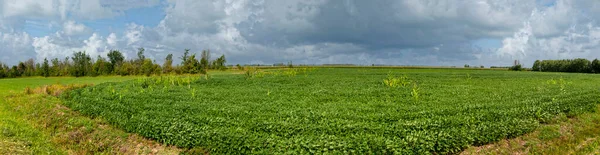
(344, 110)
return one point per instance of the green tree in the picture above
(55, 68)
(116, 59)
(185, 56)
(595, 66)
(13, 72)
(139, 62)
(204, 61)
(20, 70)
(65, 67)
(168, 65)
(516, 68)
(141, 57)
(101, 67)
(191, 65)
(30, 68)
(126, 68)
(3, 71)
(536, 65)
(148, 67)
(81, 64)
(219, 63)
(45, 68)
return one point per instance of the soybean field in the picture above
(338, 110)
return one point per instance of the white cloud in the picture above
(15, 46)
(111, 40)
(58, 46)
(72, 28)
(556, 32)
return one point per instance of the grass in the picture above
(32, 122)
(578, 135)
(342, 110)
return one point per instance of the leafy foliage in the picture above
(395, 82)
(45, 68)
(81, 64)
(566, 65)
(517, 67)
(339, 111)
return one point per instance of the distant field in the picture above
(339, 109)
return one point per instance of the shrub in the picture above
(516, 68)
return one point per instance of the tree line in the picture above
(81, 64)
(567, 65)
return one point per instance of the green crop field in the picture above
(343, 110)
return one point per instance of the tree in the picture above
(516, 68)
(536, 65)
(140, 54)
(219, 63)
(45, 68)
(157, 70)
(185, 56)
(595, 66)
(38, 69)
(125, 69)
(191, 65)
(14, 72)
(55, 68)
(116, 59)
(3, 71)
(81, 64)
(140, 61)
(101, 67)
(204, 61)
(147, 67)
(65, 67)
(29, 67)
(21, 69)
(168, 65)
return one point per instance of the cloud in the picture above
(111, 40)
(58, 46)
(73, 28)
(15, 46)
(409, 32)
(557, 32)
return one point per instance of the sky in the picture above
(389, 32)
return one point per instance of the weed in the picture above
(395, 82)
(415, 92)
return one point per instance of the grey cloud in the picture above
(383, 24)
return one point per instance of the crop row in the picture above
(339, 110)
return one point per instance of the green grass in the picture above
(578, 135)
(340, 109)
(18, 135)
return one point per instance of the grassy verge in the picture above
(577, 135)
(17, 136)
(33, 122)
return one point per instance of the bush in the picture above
(516, 68)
